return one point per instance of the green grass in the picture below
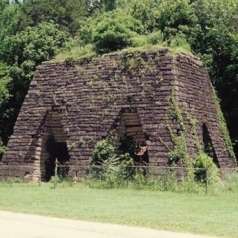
(88, 51)
(76, 52)
(203, 214)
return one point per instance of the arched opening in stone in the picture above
(132, 139)
(208, 146)
(55, 156)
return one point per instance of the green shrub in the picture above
(154, 38)
(146, 11)
(110, 31)
(110, 166)
(176, 16)
(112, 173)
(103, 151)
(139, 41)
(179, 152)
(34, 44)
(179, 43)
(111, 35)
(22, 53)
(205, 169)
(4, 80)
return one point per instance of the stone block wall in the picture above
(195, 95)
(80, 102)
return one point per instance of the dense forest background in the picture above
(33, 31)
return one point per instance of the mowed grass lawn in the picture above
(202, 214)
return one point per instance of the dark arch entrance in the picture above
(132, 138)
(57, 154)
(208, 146)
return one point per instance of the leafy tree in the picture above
(23, 52)
(101, 5)
(111, 31)
(4, 79)
(176, 16)
(4, 96)
(68, 14)
(8, 19)
(109, 5)
(217, 44)
(29, 48)
(147, 12)
(110, 35)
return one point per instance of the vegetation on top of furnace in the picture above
(79, 53)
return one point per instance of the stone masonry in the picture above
(81, 102)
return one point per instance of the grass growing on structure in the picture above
(78, 52)
(185, 212)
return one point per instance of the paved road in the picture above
(14, 225)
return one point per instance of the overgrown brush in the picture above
(110, 168)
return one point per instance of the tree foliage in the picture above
(4, 79)
(66, 13)
(114, 32)
(21, 53)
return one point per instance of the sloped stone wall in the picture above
(196, 97)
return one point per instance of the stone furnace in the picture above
(157, 97)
